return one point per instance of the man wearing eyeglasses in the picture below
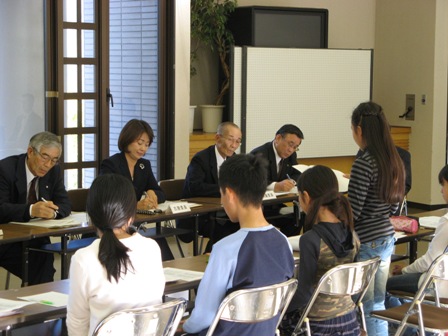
(202, 179)
(281, 154)
(32, 186)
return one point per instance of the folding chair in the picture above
(420, 313)
(342, 280)
(255, 305)
(157, 320)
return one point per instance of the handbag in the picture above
(404, 223)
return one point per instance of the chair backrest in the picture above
(78, 199)
(172, 188)
(436, 276)
(157, 320)
(345, 279)
(255, 304)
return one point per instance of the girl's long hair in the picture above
(111, 204)
(376, 135)
(321, 184)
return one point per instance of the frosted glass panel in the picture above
(22, 95)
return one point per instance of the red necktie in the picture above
(32, 197)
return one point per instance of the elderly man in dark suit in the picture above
(281, 155)
(32, 186)
(202, 181)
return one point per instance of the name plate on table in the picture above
(176, 208)
(270, 194)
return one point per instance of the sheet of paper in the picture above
(294, 241)
(54, 299)
(73, 220)
(429, 221)
(11, 307)
(165, 205)
(342, 181)
(399, 234)
(292, 191)
(175, 274)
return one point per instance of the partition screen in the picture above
(315, 89)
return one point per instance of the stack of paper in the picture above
(429, 221)
(11, 307)
(294, 241)
(75, 219)
(342, 181)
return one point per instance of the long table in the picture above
(39, 313)
(413, 238)
(13, 233)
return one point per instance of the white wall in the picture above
(182, 88)
(410, 39)
(411, 58)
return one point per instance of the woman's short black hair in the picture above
(133, 129)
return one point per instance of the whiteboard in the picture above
(315, 89)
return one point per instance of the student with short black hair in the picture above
(119, 270)
(256, 255)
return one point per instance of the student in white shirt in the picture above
(119, 270)
(410, 277)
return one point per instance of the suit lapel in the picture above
(213, 164)
(21, 185)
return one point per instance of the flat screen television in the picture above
(284, 27)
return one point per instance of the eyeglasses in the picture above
(292, 145)
(47, 158)
(232, 140)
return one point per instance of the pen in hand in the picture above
(44, 200)
(289, 178)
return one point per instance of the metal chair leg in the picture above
(8, 278)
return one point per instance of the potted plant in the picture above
(209, 28)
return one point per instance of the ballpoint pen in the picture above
(44, 200)
(289, 178)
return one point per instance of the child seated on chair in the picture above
(118, 271)
(329, 241)
(408, 278)
(256, 255)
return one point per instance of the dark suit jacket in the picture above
(202, 175)
(267, 152)
(143, 176)
(13, 190)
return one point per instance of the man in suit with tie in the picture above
(202, 180)
(32, 186)
(281, 155)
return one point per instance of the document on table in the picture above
(75, 219)
(342, 181)
(54, 299)
(399, 234)
(176, 274)
(429, 221)
(165, 205)
(294, 241)
(11, 307)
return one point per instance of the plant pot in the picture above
(192, 110)
(211, 117)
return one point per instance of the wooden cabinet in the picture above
(200, 141)
(400, 135)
